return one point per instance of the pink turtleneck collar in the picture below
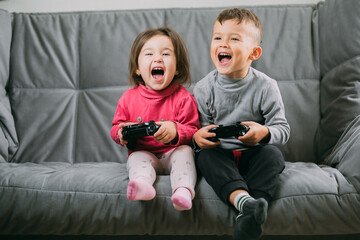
(152, 94)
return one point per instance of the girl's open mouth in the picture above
(157, 73)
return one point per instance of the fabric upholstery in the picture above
(8, 137)
(340, 68)
(61, 75)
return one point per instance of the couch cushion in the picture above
(8, 137)
(345, 154)
(90, 198)
(340, 61)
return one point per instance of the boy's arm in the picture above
(257, 134)
(202, 135)
(202, 97)
(274, 114)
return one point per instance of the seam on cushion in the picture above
(77, 92)
(167, 196)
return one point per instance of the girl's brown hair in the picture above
(182, 62)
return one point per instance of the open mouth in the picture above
(224, 58)
(157, 73)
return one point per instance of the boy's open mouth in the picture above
(224, 58)
(157, 73)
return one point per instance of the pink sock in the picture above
(139, 189)
(182, 199)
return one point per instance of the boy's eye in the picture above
(217, 38)
(234, 39)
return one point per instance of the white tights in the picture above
(179, 163)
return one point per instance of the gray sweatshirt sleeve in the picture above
(274, 114)
(203, 99)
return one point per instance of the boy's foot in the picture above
(182, 199)
(246, 228)
(257, 208)
(140, 190)
(248, 224)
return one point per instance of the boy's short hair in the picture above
(240, 15)
(182, 62)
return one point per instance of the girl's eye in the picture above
(235, 39)
(217, 38)
(148, 54)
(166, 54)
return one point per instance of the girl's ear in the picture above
(138, 72)
(255, 55)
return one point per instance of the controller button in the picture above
(139, 119)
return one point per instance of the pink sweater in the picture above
(141, 104)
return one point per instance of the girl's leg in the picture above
(142, 175)
(180, 163)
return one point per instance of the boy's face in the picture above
(157, 63)
(233, 47)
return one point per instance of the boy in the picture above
(243, 171)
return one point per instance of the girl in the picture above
(158, 68)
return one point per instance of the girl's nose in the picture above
(158, 58)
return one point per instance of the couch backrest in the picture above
(68, 70)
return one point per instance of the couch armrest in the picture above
(345, 155)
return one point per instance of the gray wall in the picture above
(85, 5)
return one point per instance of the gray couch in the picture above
(61, 75)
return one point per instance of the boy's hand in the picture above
(167, 132)
(121, 126)
(256, 133)
(201, 136)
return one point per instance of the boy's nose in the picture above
(224, 44)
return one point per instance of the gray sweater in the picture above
(224, 101)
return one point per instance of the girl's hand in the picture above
(167, 132)
(202, 135)
(256, 133)
(121, 126)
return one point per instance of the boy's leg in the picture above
(142, 175)
(261, 167)
(180, 163)
(218, 168)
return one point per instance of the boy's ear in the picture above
(255, 55)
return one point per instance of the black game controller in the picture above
(236, 130)
(132, 132)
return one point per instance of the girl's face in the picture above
(157, 63)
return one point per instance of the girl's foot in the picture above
(182, 199)
(140, 190)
